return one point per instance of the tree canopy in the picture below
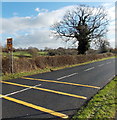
(82, 25)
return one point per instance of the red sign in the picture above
(9, 44)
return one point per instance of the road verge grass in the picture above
(102, 106)
(47, 69)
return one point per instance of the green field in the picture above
(43, 53)
(17, 54)
(23, 54)
(102, 106)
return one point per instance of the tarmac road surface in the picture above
(57, 94)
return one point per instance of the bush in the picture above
(41, 62)
(62, 51)
(33, 51)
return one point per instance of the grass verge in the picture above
(47, 69)
(102, 106)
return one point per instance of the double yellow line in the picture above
(35, 107)
(47, 90)
(43, 89)
(67, 83)
(61, 115)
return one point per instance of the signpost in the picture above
(10, 53)
(9, 44)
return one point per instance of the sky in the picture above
(28, 23)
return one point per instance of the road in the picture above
(54, 95)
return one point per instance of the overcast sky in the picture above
(29, 22)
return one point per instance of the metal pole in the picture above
(11, 61)
(10, 54)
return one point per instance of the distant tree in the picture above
(47, 49)
(62, 51)
(103, 46)
(33, 51)
(115, 51)
(82, 25)
(51, 52)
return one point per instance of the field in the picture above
(42, 53)
(25, 54)
(102, 106)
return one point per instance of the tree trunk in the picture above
(83, 46)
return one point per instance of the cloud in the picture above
(37, 38)
(37, 9)
(41, 10)
(15, 14)
(110, 7)
(43, 19)
(35, 31)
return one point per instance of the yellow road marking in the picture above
(47, 90)
(35, 106)
(62, 82)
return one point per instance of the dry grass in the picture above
(41, 62)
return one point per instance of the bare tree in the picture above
(82, 25)
(103, 46)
